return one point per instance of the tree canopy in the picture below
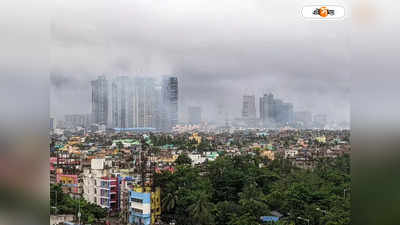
(240, 189)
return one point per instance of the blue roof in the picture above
(269, 218)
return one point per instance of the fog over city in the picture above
(218, 50)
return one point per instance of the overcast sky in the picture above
(219, 50)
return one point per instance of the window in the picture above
(138, 210)
(137, 200)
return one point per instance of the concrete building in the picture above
(194, 114)
(169, 95)
(249, 107)
(266, 109)
(146, 103)
(122, 102)
(135, 103)
(291, 153)
(197, 158)
(77, 120)
(100, 100)
(275, 112)
(61, 219)
(52, 124)
(145, 206)
(100, 186)
(283, 112)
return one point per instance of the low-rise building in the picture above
(100, 186)
(197, 158)
(145, 205)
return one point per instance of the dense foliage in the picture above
(238, 190)
(183, 159)
(61, 203)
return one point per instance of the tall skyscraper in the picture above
(275, 112)
(52, 123)
(249, 107)
(135, 103)
(146, 103)
(169, 94)
(122, 103)
(194, 115)
(77, 120)
(100, 100)
(267, 109)
(283, 112)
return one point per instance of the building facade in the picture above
(146, 103)
(52, 124)
(249, 107)
(275, 112)
(145, 206)
(77, 120)
(135, 103)
(100, 100)
(169, 95)
(100, 186)
(122, 102)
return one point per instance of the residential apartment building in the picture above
(100, 100)
(101, 186)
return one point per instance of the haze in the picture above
(219, 51)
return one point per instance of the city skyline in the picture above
(183, 115)
(143, 103)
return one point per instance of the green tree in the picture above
(67, 205)
(120, 145)
(201, 209)
(183, 159)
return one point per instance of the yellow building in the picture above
(155, 205)
(321, 139)
(196, 137)
(155, 201)
(167, 159)
(74, 140)
(268, 154)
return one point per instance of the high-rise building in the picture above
(267, 109)
(249, 107)
(100, 100)
(135, 103)
(169, 95)
(122, 102)
(275, 112)
(194, 115)
(52, 123)
(146, 103)
(283, 112)
(77, 120)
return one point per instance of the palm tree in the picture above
(201, 209)
(169, 201)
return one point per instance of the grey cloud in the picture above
(220, 50)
